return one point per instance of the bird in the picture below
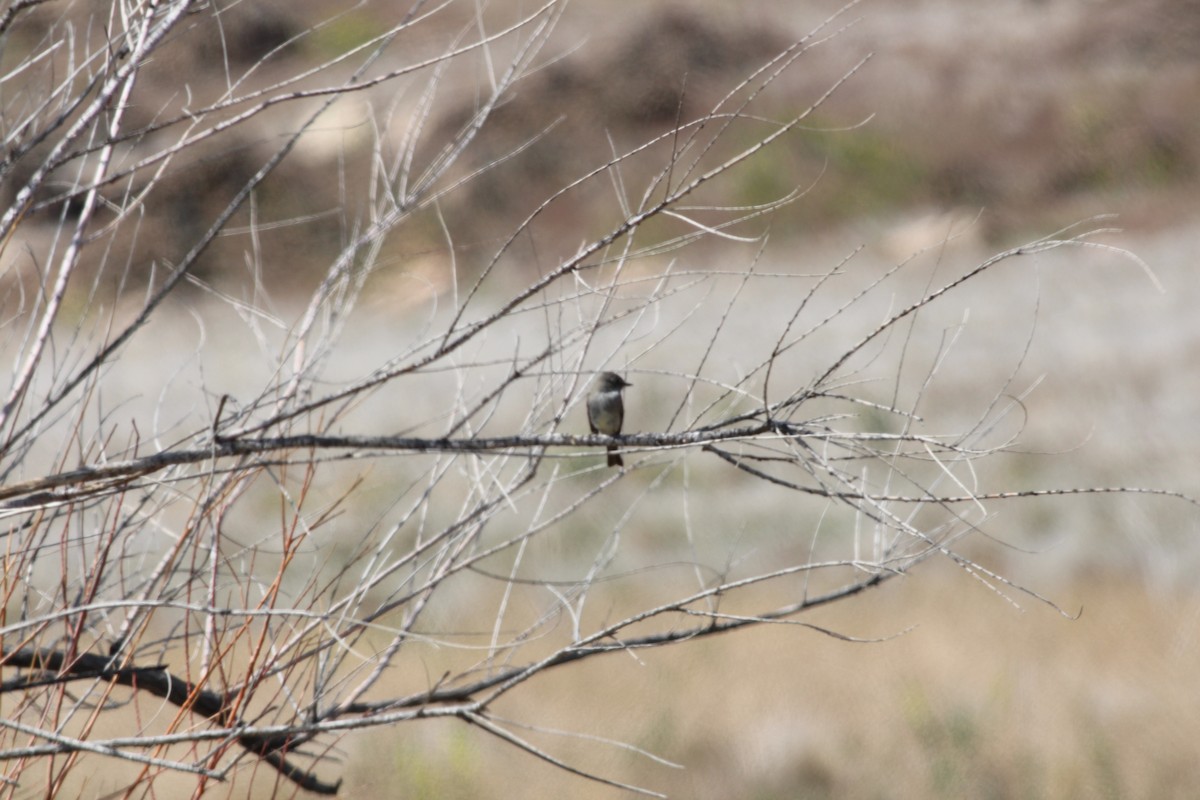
(606, 410)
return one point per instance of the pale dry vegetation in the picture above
(301, 305)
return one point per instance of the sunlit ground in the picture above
(977, 699)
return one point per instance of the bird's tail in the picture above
(614, 459)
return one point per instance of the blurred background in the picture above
(998, 122)
(972, 128)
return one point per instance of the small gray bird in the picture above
(606, 410)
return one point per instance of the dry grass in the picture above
(978, 699)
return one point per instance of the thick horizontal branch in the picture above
(53, 666)
(89, 480)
